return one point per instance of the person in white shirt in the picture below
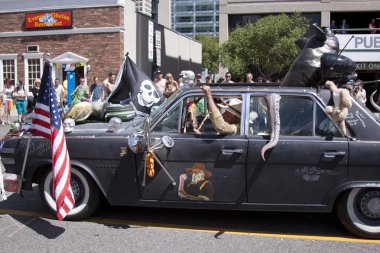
(21, 102)
(59, 91)
(249, 78)
(160, 82)
(363, 93)
(228, 77)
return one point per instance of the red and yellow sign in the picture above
(53, 19)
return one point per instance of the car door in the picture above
(205, 166)
(310, 158)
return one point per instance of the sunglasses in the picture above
(228, 76)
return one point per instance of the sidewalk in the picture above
(5, 128)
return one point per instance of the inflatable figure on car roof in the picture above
(317, 63)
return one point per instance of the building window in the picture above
(32, 67)
(204, 18)
(34, 71)
(8, 68)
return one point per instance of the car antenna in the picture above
(334, 62)
(370, 82)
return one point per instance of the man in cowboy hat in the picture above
(226, 121)
(193, 184)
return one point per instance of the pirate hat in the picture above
(199, 167)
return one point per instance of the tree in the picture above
(268, 44)
(210, 52)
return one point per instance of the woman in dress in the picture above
(8, 100)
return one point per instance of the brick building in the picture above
(89, 38)
(94, 44)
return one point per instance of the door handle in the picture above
(232, 151)
(333, 154)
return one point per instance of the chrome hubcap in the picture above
(370, 204)
(75, 188)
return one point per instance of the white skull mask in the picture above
(148, 95)
(114, 125)
(68, 125)
(188, 77)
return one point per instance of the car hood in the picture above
(101, 128)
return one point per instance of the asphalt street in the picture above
(25, 226)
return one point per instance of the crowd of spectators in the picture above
(15, 95)
(344, 28)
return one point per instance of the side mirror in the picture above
(136, 144)
(167, 141)
(147, 131)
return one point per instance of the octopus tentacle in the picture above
(273, 102)
(373, 102)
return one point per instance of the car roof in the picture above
(250, 87)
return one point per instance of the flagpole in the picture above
(19, 190)
(24, 165)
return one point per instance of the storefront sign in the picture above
(359, 42)
(48, 20)
(368, 65)
(367, 42)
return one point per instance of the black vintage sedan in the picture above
(175, 158)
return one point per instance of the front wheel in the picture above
(359, 211)
(85, 191)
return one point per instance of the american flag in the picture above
(47, 123)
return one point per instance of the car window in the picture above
(324, 126)
(195, 114)
(296, 116)
(169, 123)
(258, 116)
(156, 110)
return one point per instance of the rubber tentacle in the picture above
(273, 102)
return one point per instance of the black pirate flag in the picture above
(134, 86)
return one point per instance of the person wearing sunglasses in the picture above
(171, 85)
(228, 78)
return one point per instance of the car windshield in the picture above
(138, 122)
(156, 111)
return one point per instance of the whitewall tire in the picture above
(359, 211)
(86, 194)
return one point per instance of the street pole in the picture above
(155, 25)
